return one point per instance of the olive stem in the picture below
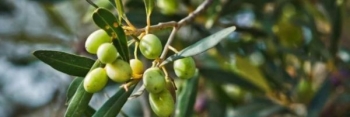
(135, 51)
(169, 24)
(170, 39)
(173, 49)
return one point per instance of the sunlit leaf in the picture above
(67, 63)
(113, 105)
(201, 45)
(221, 76)
(108, 22)
(187, 98)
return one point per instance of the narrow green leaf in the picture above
(120, 9)
(67, 63)
(149, 5)
(187, 98)
(201, 46)
(222, 76)
(113, 105)
(320, 98)
(73, 87)
(80, 100)
(108, 22)
(89, 111)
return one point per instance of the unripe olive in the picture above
(119, 71)
(168, 7)
(150, 46)
(304, 91)
(95, 80)
(162, 103)
(154, 80)
(95, 39)
(107, 53)
(137, 67)
(185, 68)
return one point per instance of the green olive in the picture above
(185, 68)
(150, 46)
(119, 71)
(95, 39)
(168, 7)
(304, 91)
(137, 68)
(154, 80)
(162, 103)
(95, 80)
(107, 53)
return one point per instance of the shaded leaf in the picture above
(67, 63)
(222, 76)
(108, 22)
(73, 87)
(89, 111)
(320, 98)
(113, 105)
(201, 45)
(187, 98)
(138, 93)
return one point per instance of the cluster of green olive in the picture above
(117, 70)
(160, 88)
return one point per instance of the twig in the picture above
(170, 39)
(182, 22)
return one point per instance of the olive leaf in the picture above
(120, 9)
(149, 4)
(67, 63)
(187, 98)
(113, 105)
(73, 87)
(200, 46)
(79, 104)
(221, 76)
(108, 22)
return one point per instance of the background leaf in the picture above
(67, 63)
(220, 76)
(201, 46)
(187, 97)
(320, 98)
(108, 22)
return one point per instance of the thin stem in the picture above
(165, 72)
(129, 23)
(170, 39)
(173, 49)
(135, 51)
